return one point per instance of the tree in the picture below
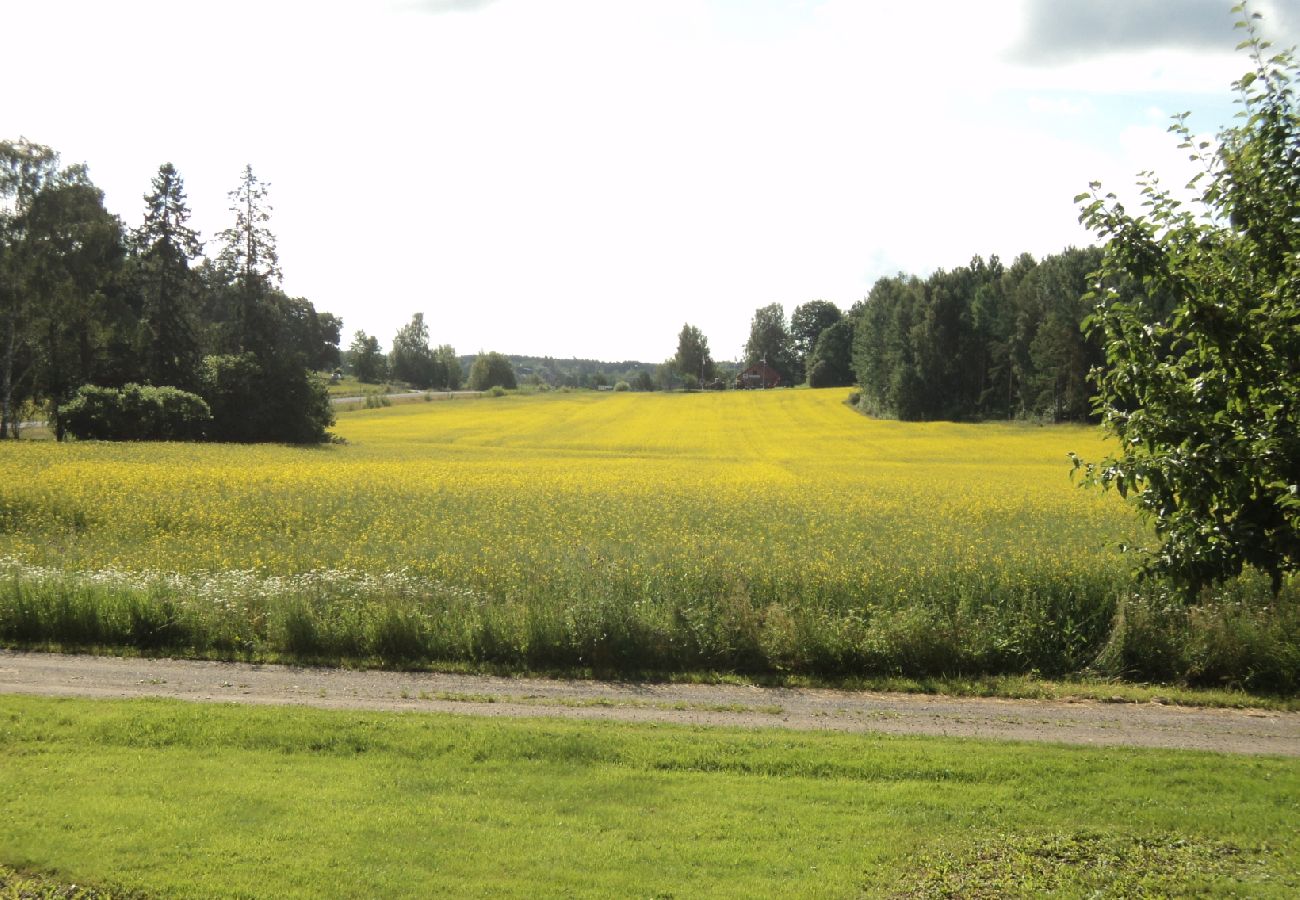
(448, 365)
(831, 362)
(74, 250)
(260, 389)
(329, 331)
(25, 168)
(666, 374)
(491, 370)
(256, 400)
(693, 356)
(1201, 382)
(807, 323)
(369, 365)
(412, 358)
(249, 261)
(769, 339)
(163, 248)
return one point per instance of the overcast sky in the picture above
(581, 177)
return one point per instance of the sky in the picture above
(579, 178)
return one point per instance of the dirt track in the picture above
(1089, 723)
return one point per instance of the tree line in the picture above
(980, 341)
(91, 311)
(416, 362)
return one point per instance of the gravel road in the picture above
(1085, 722)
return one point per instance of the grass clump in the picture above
(1086, 864)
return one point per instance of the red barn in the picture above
(759, 375)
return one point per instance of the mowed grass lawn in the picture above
(185, 800)
(764, 532)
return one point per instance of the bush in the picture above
(252, 402)
(136, 412)
(622, 386)
(491, 370)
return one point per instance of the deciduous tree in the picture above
(25, 168)
(769, 339)
(491, 370)
(807, 323)
(369, 365)
(1201, 383)
(693, 357)
(412, 358)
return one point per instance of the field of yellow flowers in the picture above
(757, 531)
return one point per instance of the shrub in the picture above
(622, 386)
(136, 413)
(272, 401)
(491, 370)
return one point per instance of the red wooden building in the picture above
(759, 375)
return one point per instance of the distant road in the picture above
(408, 395)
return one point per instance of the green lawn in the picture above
(169, 798)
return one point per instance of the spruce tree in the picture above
(163, 248)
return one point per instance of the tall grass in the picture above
(398, 620)
(756, 532)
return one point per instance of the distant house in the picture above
(759, 375)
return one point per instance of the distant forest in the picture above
(982, 341)
(92, 313)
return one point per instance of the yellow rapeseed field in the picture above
(499, 493)
(763, 530)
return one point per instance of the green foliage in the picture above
(163, 248)
(412, 358)
(253, 402)
(73, 251)
(830, 363)
(447, 367)
(24, 169)
(1201, 385)
(980, 341)
(136, 413)
(622, 386)
(693, 357)
(807, 323)
(769, 340)
(367, 360)
(76, 310)
(491, 370)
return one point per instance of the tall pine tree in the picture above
(163, 249)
